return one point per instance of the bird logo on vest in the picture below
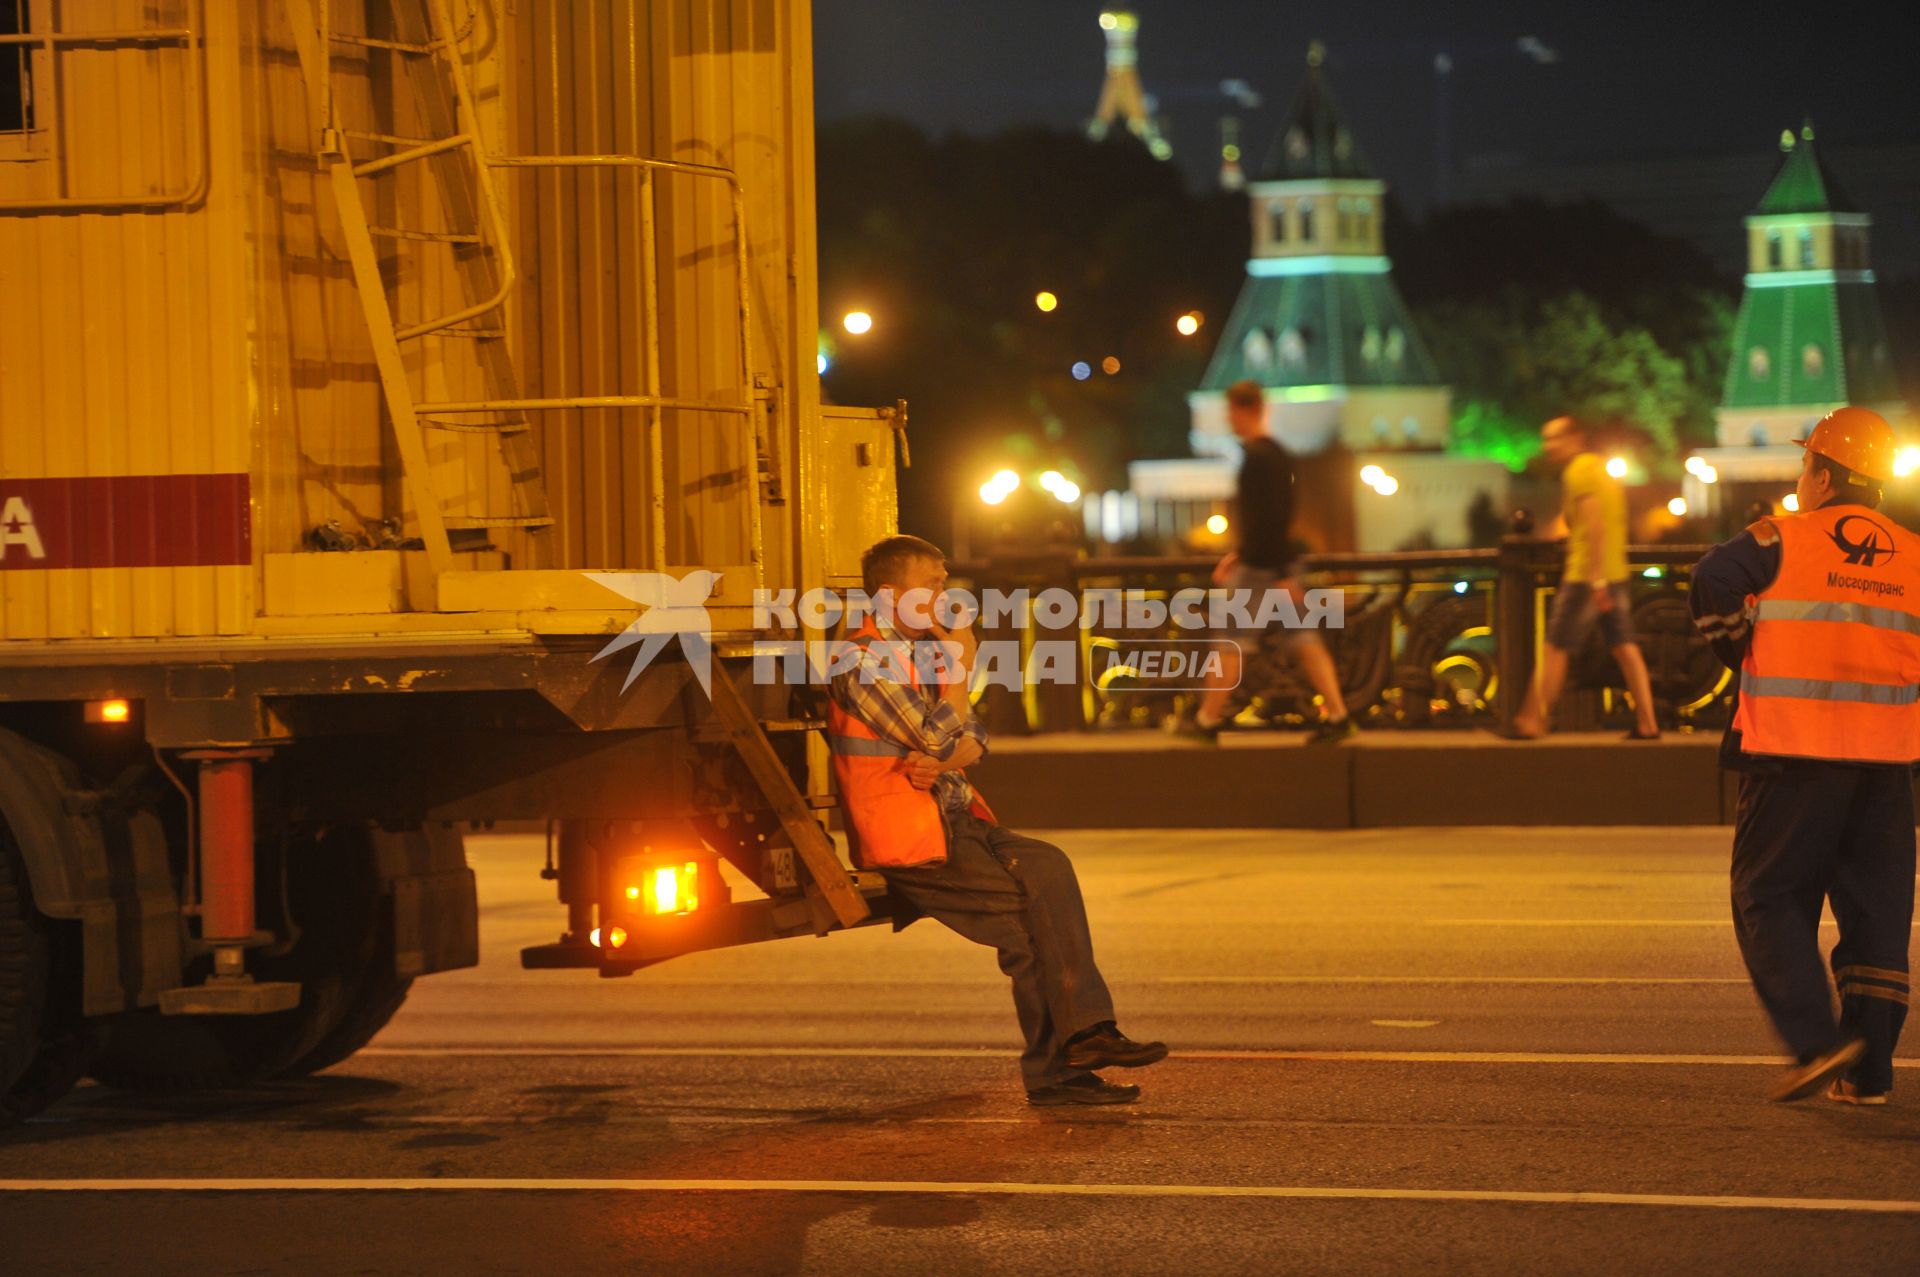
(1864, 548)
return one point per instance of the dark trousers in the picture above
(1019, 896)
(1808, 833)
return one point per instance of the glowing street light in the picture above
(1046, 302)
(857, 322)
(1188, 324)
(1617, 467)
(1002, 485)
(1677, 507)
(1790, 503)
(1217, 524)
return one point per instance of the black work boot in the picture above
(1085, 1089)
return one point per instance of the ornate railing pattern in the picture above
(1440, 638)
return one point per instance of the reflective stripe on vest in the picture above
(1819, 689)
(860, 747)
(1833, 667)
(1814, 610)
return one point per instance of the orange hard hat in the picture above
(1858, 438)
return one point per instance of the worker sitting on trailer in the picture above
(902, 734)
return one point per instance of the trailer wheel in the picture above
(43, 1047)
(334, 892)
(378, 1001)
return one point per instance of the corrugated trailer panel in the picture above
(324, 450)
(695, 81)
(214, 349)
(123, 350)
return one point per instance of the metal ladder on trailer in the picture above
(477, 236)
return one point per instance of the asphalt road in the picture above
(1464, 1050)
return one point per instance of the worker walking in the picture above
(1819, 611)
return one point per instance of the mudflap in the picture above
(434, 906)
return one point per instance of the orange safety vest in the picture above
(894, 825)
(1833, 671)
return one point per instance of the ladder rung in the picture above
(398, 46)
(438, 237)
(391, 139)
(533, 522)
(459, 426)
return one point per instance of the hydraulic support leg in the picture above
(227, 893)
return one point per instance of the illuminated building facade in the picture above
(1809, 335)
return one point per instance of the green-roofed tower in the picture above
(1809, 337)
(1319, 322)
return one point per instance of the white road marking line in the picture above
(1442, 979)
(1595, 922)
(1405, 1024)
(991, 1053)
(959, 1188)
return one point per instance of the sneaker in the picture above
(1845, 1092)
(1333, 732)
(1108, 1048)
(1810, 1076)
(1085, 1089)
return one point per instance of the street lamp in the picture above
(1188, 324)
(857, 322)
(1617, 467)
(1045, 302)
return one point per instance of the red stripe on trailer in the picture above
(126, 521)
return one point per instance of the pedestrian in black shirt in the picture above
(1263, 561)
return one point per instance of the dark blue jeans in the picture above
(1019, 896)
(1812, 832)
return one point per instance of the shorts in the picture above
(1257, 581)
(1573, 616)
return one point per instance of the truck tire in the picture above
(378, 1000)
(43, 1046)
(334, 895)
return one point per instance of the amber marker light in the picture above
(111, 711)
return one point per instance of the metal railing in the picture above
(1437, 638)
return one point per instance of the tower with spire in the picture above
(1319, 322)
(1122, 99)
(1809, 336)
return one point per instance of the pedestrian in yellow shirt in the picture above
(1593, 591)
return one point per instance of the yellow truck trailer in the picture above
(346, 347)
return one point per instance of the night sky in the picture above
(1632, 78)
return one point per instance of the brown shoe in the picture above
(1812, 1076)
(1845, 1092)
(1108, 1048)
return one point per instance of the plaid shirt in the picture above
(918, 718)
